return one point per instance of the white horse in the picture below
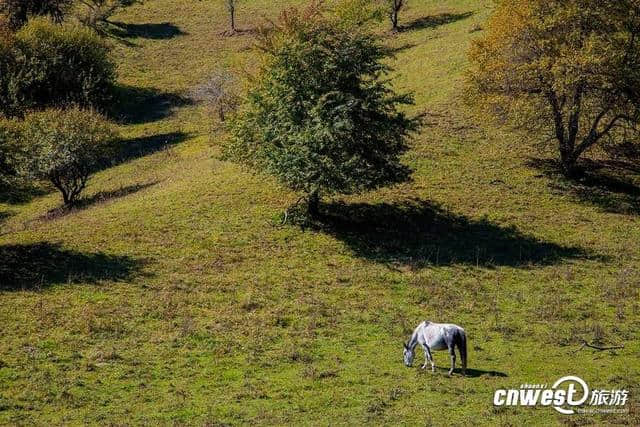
(434, 337)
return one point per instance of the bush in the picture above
(53, 65)
(66, 147)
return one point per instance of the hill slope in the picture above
(177, 298)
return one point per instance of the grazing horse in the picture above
(434, 337)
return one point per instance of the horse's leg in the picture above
(452, 353)
(428, 357)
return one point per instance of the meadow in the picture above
(174, 295)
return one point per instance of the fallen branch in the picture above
(596, 347)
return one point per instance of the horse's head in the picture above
(408, 355)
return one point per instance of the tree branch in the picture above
(597, 347)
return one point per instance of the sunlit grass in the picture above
(208, 311)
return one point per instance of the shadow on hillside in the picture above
(139, 147)
(402, 48)
(418, 233)
(435, 21)
(145, 105)
(3, 216)
(101, 197)
(162, 31)
(36, 266)
(473, 373)
(20, 192)
(606, 184)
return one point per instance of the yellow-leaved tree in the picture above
(565, 71)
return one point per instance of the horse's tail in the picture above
(462, 348)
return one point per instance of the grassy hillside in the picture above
(174, 296)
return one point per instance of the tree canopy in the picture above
(568, 70)
(320, 116)
(65, 147)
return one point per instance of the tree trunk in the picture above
(394, 20)
(232, 14)
(313, 204)
(569, 165)
(65, 197)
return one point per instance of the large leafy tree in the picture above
(320, 116)
(567, 71)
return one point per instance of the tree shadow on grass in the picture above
(419, 233)
(39, 265)
(435, 21)
(101, 197)
(3, 216)
(474, 373)
(139, 147)
(402, 48)
(20, 192)
(154, 31)
(145, 105)
(606, 184)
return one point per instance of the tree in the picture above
(18, 11)
(320, 117)
(66, 147)
(394, 7)
(564, 70)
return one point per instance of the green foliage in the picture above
(567, 71)
(8, 151)
(51, 65)
(358, 12)
(18, 11)
(320, 117)
(7, 70)
(65, 147)
(229, 321)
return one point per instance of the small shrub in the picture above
(66, 147)
(219, 93)
(52, 65)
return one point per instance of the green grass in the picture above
(179, 300)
